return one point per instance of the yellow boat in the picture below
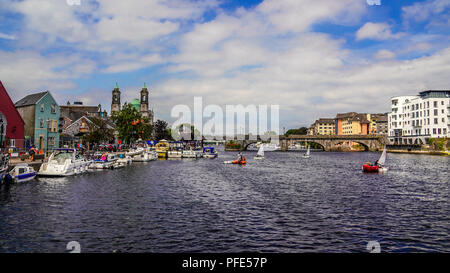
(162, 147)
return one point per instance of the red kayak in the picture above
(242, 162)
(369, 168)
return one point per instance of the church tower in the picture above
(144, 104)
(115, 104)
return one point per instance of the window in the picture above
(435, 121)
(41, 123)
(51, 141)
(442, 102)
(435, 104)
(439, 131)
(434, 131)
(435, 112)
(444, 131)
(443, 120)
(53, 108)
(42, 107)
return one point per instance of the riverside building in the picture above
(414, 119)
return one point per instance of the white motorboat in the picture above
(147, 155)
(308, 153)
(124, 159)
(208, 152)
(133, 152)
(174, 154)
(64, 162)
(191, 154)
(105, 161)
(260, 154)
(22, 173)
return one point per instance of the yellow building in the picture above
(324, 126)
(352, 124)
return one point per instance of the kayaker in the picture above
(239, 157)
(376, 163)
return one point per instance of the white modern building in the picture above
(414, 119)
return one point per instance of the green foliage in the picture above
(438, 143)
(233, 145)
(300, 131)
(161, 130)
(99, 131)
(130, 124)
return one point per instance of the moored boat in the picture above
(64, 162)
(22, 173)
(133, 152)
(191, 154)
(174, 154)
(208, 152)
(162, 147)
(104, 161)
(124, 159)
(147, 155)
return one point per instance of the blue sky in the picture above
(312, 57)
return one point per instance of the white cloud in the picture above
(376, 31)
(7, 36)
(423, 11)
(28, 72)
(384, 54)
(126, 66)
(264, 55)
(299, 15)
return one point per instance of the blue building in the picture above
(40, 113)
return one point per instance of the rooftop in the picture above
(30, 99)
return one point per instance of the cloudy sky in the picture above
(312, 57)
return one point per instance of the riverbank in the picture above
(421, 152)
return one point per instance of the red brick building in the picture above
(11, 123)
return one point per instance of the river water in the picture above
(282, 204)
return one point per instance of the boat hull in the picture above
(370, 169)
(24, 177)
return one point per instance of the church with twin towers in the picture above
(141, 104)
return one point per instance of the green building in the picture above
(40, 113)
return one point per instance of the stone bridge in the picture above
(329, 142)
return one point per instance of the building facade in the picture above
(11, 123)
(41, 114)
(323, 126)
(352, 124)
(414, 119)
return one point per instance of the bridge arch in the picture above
(366, 147)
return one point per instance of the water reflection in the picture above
(281, 204)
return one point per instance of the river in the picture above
(281, 204)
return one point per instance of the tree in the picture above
(161, 131)
(99, 131)
(130, 124)
(300, 131)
